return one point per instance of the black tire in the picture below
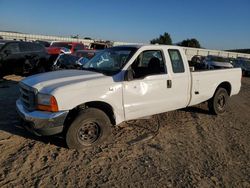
(91, 127)
(243, 73)
(218, 104)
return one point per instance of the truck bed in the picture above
(205, 82)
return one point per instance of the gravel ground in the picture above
(192, 149)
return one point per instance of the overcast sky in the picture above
(217, 24)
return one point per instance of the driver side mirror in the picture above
(129, 75)
(7, 52)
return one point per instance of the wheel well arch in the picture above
(226, 85)
(105, 107)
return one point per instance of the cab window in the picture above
(176, 61)
(148, 63)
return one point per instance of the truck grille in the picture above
(27, 96)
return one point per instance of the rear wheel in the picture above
(91, 127)
(243, 73)
(217, 105)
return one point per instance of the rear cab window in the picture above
(176, 61)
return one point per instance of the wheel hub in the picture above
(88, 133)
(221, 102)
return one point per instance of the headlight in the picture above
(43, 99)
(46, 102)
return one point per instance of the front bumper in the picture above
(40, 122)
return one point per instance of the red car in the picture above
(57, 47)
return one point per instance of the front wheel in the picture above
(91, 127)
(217, 105)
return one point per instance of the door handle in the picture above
(169, 83)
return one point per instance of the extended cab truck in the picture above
(119, 84)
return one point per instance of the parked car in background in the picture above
(55, 47)
(197, 59)
(197, 62)
(244, 64)
(66, 61)
(216, 62)
(18, 57)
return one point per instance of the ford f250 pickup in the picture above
(119, 84)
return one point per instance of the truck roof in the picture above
(148, 45)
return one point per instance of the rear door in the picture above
(180, 77)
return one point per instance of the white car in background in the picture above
(216, 62)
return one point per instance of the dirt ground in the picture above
(192, 149)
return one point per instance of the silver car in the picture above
(216, 62)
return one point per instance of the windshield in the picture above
(86, 56)
(83, 60)
(65, 45)
(111, 60)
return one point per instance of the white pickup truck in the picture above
(119, 84)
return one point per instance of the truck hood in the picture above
(48, 82)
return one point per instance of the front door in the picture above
(149, 91)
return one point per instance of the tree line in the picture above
(167, 40)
